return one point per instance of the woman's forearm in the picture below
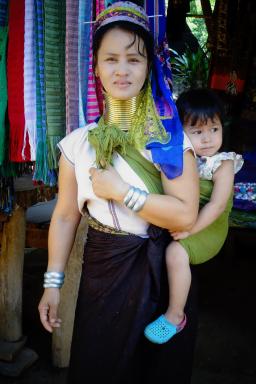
(61, 238)
(168, 212)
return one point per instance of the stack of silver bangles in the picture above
(135, 199)
(53, 279)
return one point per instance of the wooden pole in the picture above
(11, 276)
(62, 337)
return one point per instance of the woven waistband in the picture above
(98, 226)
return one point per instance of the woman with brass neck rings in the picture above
(134, 174)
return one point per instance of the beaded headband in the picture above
(124, 11)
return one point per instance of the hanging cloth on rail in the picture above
(71, 72)
(19, 151)
(54, 32)
(30, 77)
(42, 173)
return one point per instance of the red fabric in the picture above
(221, 81)
(15, 81)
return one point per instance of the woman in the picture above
(121, 283)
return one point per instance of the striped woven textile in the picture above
(15, 81)
(157, 24)
(72, 83)
(30, 78)
(85, 15)
(3, 92)
(54, 32)
(93, 109)
(42, 173)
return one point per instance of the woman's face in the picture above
(121, 67)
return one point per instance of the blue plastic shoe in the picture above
(161, 330)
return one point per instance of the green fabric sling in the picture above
(3, 91)
(144, 169)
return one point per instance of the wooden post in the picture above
(62, 337)
(11, 276)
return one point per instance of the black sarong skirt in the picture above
(123, 287)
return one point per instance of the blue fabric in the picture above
(85, 15)
(168, 155)
(3, 13)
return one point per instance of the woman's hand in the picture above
(48, 308)
(108, 184)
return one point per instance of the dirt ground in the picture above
(226, 344)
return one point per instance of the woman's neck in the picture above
(120, 112)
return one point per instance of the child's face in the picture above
(206, 137)
(120, 66)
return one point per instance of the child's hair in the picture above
(199, 105)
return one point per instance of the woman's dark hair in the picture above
(135, 29)
(199, 105)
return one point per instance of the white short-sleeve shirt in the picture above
(76, 148)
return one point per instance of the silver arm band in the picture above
(128, 196)
(134, 198)
(140, 202)
(53, 279)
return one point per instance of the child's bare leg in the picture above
(179, 280)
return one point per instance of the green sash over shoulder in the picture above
(144, 169)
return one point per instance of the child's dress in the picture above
(205, 244)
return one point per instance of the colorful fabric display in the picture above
(3, 91)
(54, 32)
(71, 74)
(245, 196)
(19, 144)
(30, 78)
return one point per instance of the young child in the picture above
(201, 114)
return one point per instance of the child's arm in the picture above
(223, 180)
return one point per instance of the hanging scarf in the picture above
(42, 173)
(85, 17)
(54, 32)
(3, 91)
(166, 150)
(93, 110)
(19, 145)
(30, 78)
(71, 73)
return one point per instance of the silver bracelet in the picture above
(128, 195)
(53, 279)
(134, 198)
(140, 202)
